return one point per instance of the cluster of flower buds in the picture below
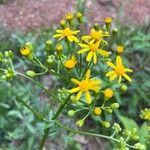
(6, 60)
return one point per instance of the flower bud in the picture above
(97, 111)
(123, 88)
(108, 93)
(108, 21)
(48, 45)
(79, 17)
(106, 124)
(114, 106)
(114, 31)
(119, 49)
(71, 113)
(73, 98)
(80, 123)
(4, 77)
(59, 49)
(30, 73)
(136, 137)
(96, 26)
(116, 127)
(140, 146)
(108, 110)
(29, 45)
(62, 23)
(6, 53)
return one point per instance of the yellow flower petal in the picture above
(83, 50)
(89, 56)
(128, 70)
(104, 53)
(88, 97)
(110, 64)
(94, 58)
(79, 95)
(110, 73)
(86, 37)
(113, 77)
(59, 31)
(88, 74)
(75, 39)
(118, 60)
(120, 78)
(75, 81)
(57, 35)
(127, 77)
(74, 90)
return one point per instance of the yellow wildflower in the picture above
(96, 35)
(25, 51)
(68, 33)
(85, 86)
(93, 49)
(69, 16)
(108, 93)
(108, 20)
(70, 63)
(119, 70)
(145, 114)
(120, 49)
(97, 111)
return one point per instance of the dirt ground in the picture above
(26, 15)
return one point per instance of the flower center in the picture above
(120, 69)
(95, 35)
(93, 47)
(67, 32)
(84, 85)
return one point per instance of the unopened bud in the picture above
(80, 123)
(29, 45)
(62, 23)
(97, 111)
(30, 73)
(114, 31)
(123, 88)
(109, 111)
(96, 26)
(106, 124)
(48, 45)
(114, 106)
(71, 113)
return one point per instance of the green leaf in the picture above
(143, 133)
(128, 123)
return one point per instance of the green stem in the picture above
(46, 132)
(90, 134)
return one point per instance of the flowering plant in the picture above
(89, 74)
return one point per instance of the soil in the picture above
(25, 15)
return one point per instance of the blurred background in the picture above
(35, 20)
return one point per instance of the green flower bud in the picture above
(140, 146)
(108, 110)
(123, 88)
(79, 17)
(29, 45)
(62, 23)
(73, 98)
(96, 26)
(71, 113)
(115, 31)
(114, 106)
(106, 124)
(4, 77)
(31, 73)
(80, 123)
(48, 45)
(6, 53)
(116, 127)
(136, 137)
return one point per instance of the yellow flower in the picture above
(93, 49)
(108, 20)
(120, 49)
(59, 47)
(69, 16)
(70, 63)
(119, 70)
(96, 35)
(97, 111)
(145, 114)
(25, 51)
(108, 93)
(85, 86)
(68, 33)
